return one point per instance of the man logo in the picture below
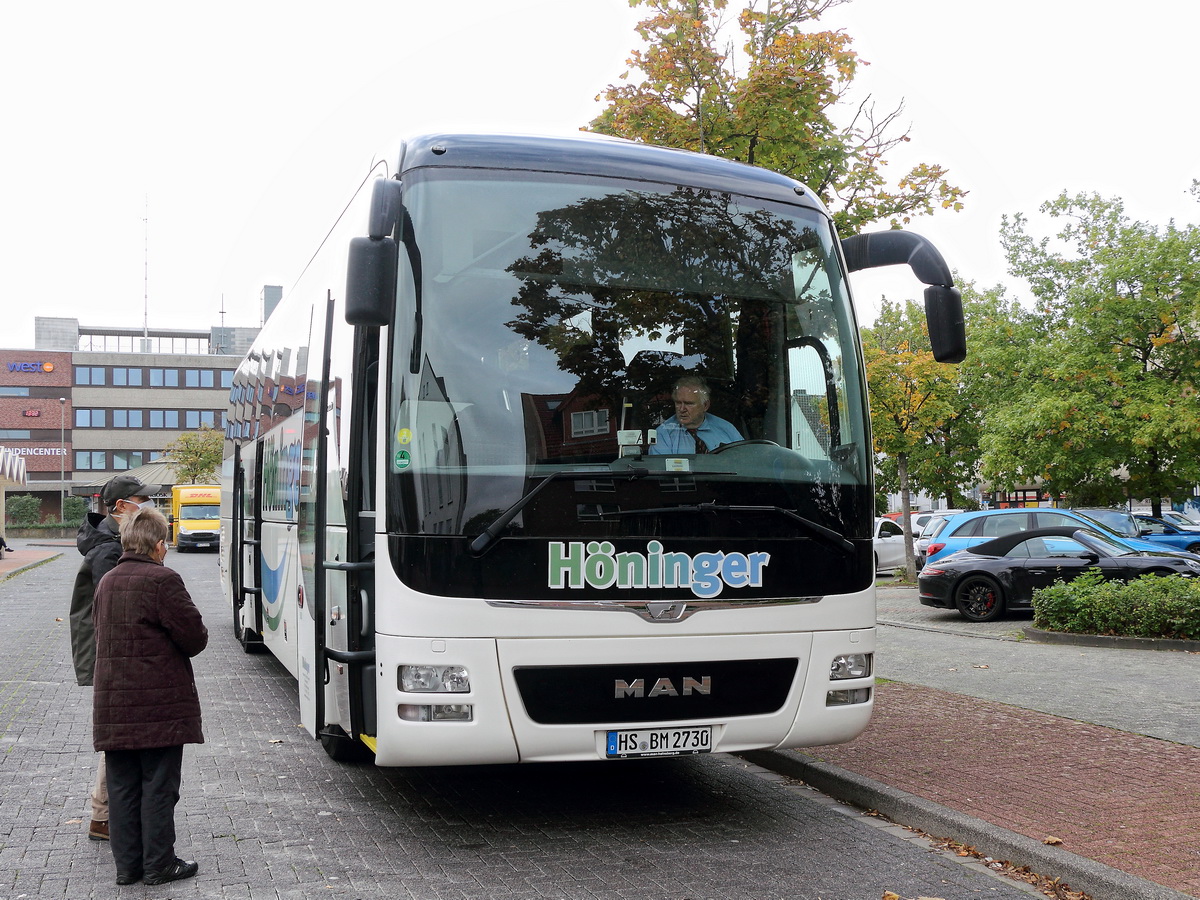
(668, 611)
(662, 687)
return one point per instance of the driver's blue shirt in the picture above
(675, 440)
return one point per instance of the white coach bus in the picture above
(450, 505)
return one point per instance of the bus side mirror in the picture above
(947, 331)
(371, 267)
(370, 281)
(943, 302)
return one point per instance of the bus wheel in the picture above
(341, 747)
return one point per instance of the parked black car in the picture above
(1002, 574)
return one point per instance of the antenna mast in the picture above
(146, 276)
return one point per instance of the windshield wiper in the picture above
(492, 532)
(815, 528)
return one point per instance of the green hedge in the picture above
(1152, 606)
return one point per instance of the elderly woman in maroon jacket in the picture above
(145, 705)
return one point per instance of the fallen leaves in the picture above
(1050, 887)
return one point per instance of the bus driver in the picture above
(692, 429)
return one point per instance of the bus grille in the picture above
(652, 692)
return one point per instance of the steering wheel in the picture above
(723, 447)
(785, 457)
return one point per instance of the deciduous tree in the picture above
(196, 455)
(769, 104)
(1108, 379)
(914, 402)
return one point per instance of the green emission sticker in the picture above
(403, 459)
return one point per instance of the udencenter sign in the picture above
(41, 457)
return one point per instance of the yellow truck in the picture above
(196, 516)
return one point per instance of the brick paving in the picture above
(1125, 800)
(269, 817)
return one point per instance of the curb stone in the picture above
(1103, 640)
(1080, 873)
(30, 565)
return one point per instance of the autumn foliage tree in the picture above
(915, 402)
(770, 103)
(196, 455)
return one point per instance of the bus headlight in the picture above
(434, 679)
(850, 665)
(846, 698)
(453, 712)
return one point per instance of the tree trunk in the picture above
(910, 559)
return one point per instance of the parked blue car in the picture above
(1163, 532)
(968, 529)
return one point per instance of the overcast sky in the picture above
(224, 137)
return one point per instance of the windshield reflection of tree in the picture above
(686, 268)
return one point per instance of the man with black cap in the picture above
(99, 541)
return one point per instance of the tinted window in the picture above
(1054, 520)
(1045, 548)
(995, 526)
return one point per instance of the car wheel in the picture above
(1193, 548)
(979, 599)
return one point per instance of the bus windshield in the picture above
(543, 323)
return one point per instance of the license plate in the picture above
(204, 545)
(658, 742)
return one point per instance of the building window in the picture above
(89, 418)
(198, 378)
(89, 460)
(227, 378)
(126, 377)
(164, 418)
(89, 375)
(589, 422)
(14, 434)
(196, 418)
(14, 392)
(127, 418)
(126, 459)
(164, 378)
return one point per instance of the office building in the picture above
(90, 402)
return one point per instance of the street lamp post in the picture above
(62, 459)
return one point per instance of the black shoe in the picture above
(129, 877)
(180, 868)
